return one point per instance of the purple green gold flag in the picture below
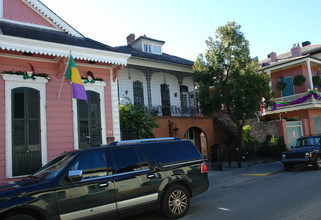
(72, 74)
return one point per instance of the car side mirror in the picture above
(74, 175)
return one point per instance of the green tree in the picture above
(227, 76)
(135, 117)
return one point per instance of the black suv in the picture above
(306, 150)
(121, 178)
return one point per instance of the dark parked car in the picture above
(118, 179)
(306, 150)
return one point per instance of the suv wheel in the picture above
(175, 203)
(288, 166)
(20, 217)
(317, 163)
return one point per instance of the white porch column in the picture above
(310, 76)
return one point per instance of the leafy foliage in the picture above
(247, 134)
(281, 85)
(227, 76)
(135, 117)
(298, 80)
(316, 80)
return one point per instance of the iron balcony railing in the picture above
(291, 98)
(160, 110)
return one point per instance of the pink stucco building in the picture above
(39, 119)
(299, 70)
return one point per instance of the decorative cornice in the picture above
(153, 70)
(61, 50)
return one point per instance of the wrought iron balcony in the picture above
(160, 110)
(294, 102)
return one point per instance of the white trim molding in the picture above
(98, 87)
(51, 17)
(61, 50)
(1, 9)
(115, 107)
(16, 81)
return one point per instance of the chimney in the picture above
(273, 57)
(130, 39)
(306, 43)
(296, 50)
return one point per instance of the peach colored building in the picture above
(39, 119)
(297, 116)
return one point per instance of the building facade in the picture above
(295, 82)
(39, 118)
(164, 84)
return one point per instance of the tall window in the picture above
(138, 93)
(89, 121)
(166, 102)
(26, 147)
(184, 99)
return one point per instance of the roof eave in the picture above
(62, 50)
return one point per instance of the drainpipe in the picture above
(310, 77)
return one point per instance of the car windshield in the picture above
(309, 141)
(51, 169)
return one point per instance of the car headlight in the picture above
(283, 156)
(308, 154)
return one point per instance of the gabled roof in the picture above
(156, 57)
(25, 38)
(149, 39)
(53, 17)
(42, 34)
(287, 57)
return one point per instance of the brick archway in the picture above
(183, 124)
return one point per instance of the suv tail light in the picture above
(203, 168)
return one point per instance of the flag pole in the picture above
(63, 77)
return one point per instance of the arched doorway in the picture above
(198, 137)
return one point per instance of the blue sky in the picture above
(184, 25)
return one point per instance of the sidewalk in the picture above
(234, 175)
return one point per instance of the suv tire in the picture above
(317, 162)
(20, 217)
(175, 203)
(288, 166)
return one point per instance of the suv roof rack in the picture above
(144, 140)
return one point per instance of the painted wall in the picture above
(59, 111)
(26, 14)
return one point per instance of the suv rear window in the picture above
(175, 152)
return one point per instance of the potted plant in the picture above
(281, 86)
(298, 80)
(316, 80)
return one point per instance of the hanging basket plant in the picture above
(316, 80)
(281, 86)
(298, 80)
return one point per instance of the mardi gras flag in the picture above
(72, 74)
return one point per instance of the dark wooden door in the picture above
(89, 121)
(26, 148)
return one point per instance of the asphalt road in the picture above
(285, 195)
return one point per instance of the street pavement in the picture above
(249, 170)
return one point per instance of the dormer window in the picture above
(145, 44)
(147, 48)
